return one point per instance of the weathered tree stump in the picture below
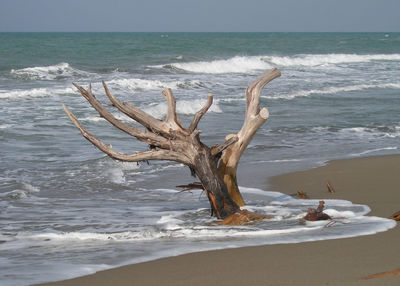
(214, 166)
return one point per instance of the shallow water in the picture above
(67, 210)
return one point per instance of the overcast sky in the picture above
(200, 15)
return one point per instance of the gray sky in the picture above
(200, 15)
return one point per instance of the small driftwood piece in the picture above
(396, 216)
(330, 188)
(302, 195)
(317, 214)
(383, 274)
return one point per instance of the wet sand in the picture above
(374, 181)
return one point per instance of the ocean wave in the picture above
(159, 110)
(333, 90)
(238, 64)
(136, 84)
(246, 64)
(362, 132)
(54, 72)
(377, 150)
(324, 59)
(22, 192)
(34, 92)
(190, 224)
(370, 132)
(185, 107)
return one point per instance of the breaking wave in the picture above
(136, 84)
(34, 92)
(22, 192)
(246, 64)
(317, 60)
(54, 72)
(333, 90)
(236, 64)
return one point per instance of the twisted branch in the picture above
(137, 157)
(199, 114)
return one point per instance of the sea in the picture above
(67, 210)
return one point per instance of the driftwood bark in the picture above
(214, 166)
(395, 216)
(254, 119)
(317, 214)
(330, 188)
(383, 274)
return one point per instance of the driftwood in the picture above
(330, 188)
(168, 139)
(395, 216)
(383, 274)
(302, 195)
(317, 214)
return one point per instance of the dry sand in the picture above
(374, 181)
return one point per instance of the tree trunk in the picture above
(254, 119)
(205, 167)
(228, 174)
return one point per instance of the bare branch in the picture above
(142, 135)
(254, 90)
(220, 148)
(135, 113)
(255, 117)
(140, 156)
(172, 118)
(199, 114)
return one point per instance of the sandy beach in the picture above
(373, 181)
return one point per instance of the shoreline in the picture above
(372, 181)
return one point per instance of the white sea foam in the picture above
(136, 84)
(324, 59)
(34, 92)
(333, 90)
(22, 192)
(171, 227)
(116, 175)
(369, 132)
(245, 64)
(377, 150)
(238, 64)
(169, 222)
(98, 118)
(185, 107)
(5, 126)
(53, 72)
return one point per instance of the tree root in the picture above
(243, 217)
